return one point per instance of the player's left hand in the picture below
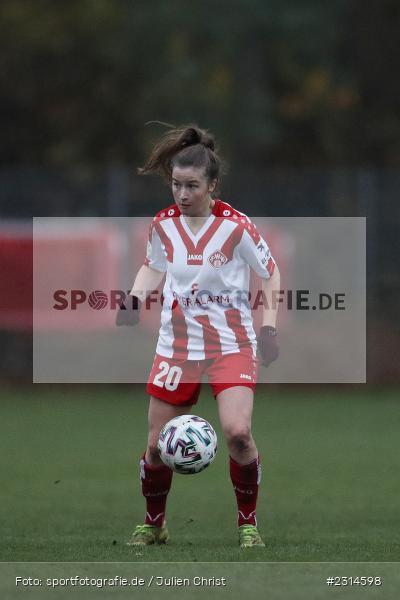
(128, 312)
(268, 345)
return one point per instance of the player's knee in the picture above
(239, 438)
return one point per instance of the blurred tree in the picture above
(281, 82)
(372, 46)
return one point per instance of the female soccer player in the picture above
(205, 247)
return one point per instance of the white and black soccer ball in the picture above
(187, 444)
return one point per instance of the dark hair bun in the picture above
(190, 137)
(193, 136)
(184, 146)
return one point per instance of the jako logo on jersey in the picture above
(194, 259)
(217, 259)
(245, 376)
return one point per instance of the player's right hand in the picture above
(128, 312)
(268, 345)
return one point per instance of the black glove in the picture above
(128, 312)
(268, 345)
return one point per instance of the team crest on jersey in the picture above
(217, 259)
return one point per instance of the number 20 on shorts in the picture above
(168, 376)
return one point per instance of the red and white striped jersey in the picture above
(206, 311)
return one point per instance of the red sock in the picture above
(156, 483)
(245, 480)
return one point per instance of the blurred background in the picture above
(303, 98)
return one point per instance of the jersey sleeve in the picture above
(155, 255)
(254, 250)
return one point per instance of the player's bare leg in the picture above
(155, 476)
(159, 413)
(235, 406)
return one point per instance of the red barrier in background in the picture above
(64, 256)
(16, 279)
(74, 258)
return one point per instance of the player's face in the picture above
(192, 191)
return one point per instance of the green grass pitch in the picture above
(71, 492)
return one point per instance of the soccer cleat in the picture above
(146, 535)
(249, 537)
